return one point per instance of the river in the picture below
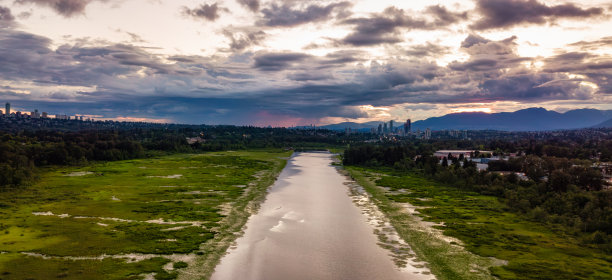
(309, 228)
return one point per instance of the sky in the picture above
(289, 62)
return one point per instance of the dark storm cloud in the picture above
(25, 56)
(475, 44)
(302, 63)
(240, 41)
(308, 76)
(381, 28)
(67, 8)
(11, 92)
(277, 61)
(445, 17)
(385, 27)
(252, 5)
(286, 15)
(509, 13)
(472, 40)
(378, 85)
(6, 18)
(487, 55)
(494, 72)
(205, 11)
(593, 45)
(474, 65)
(596, 68)
(428, 49)
(533, 87)
(339, 58)
(579, 62)
(131, 81)
(21, 54)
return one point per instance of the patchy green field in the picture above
(133, 219)
(484, 227)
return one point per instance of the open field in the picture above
(135, 219)
(498, 243)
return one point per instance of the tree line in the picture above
(21, 153)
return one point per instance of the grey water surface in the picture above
(309, 228)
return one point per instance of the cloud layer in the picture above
(67, 8)
(508, 13)
(364, 64)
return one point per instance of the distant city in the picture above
(14, 121)
(389, 129)
(37, 115)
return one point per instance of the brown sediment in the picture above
(401, 252)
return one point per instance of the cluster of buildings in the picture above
(38, 115)
(389, 128)
(481, 158)
(405, 129)
(606, 170)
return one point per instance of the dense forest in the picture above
(562, 187)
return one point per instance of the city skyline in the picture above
(8, 110)
(291, 63)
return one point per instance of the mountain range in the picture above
(532, 119)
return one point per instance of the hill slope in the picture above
(607, 123)
(532, 119)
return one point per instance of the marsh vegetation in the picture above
(132, 219)
(499, 243)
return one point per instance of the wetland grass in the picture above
(499, 243)
(131, 219)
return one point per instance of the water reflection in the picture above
(308, 228)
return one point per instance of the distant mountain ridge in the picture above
(607, 123)
(532, 119)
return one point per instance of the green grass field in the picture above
(132, 219)
(485, 227)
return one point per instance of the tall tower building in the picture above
(385, 129)
(379, 128)
(8, 108)
(391, 126)
(407, 127)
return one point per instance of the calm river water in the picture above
(309, 228)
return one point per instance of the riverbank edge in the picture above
(445, 260)
(234, 225)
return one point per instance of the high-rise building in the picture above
(385, 129)
(428, 133)
(379, 128)
(7, 108)
(407, 127)
(391, 126)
